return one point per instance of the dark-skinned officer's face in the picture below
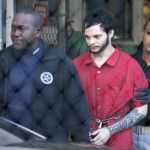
(24, 33)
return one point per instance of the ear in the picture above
(38, 31)
(111, 34)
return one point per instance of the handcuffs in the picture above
(100, 122)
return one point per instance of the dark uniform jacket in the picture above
(58, 101)
(138, 56)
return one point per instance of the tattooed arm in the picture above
(129, 120)
(103, 134)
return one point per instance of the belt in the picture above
(141, 129)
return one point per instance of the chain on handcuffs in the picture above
(100, 122)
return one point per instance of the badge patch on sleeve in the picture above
(46, 77)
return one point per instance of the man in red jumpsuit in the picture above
(110, 79)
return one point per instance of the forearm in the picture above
(128, 121)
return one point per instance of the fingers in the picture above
(101, 136)
(97, 140)
(92, 134)
(141, 89)
(139, 97)
(100, 141)
(145, 102)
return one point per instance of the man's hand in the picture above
(144, 94)
(101, 136)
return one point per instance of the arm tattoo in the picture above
(128, 121)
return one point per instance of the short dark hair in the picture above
(36, 15)
(148, 20)
(99, 17)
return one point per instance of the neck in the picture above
(101, 58)
(33, 47)
(146, 57)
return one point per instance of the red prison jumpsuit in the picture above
(110, 90)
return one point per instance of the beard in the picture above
(104, 45)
